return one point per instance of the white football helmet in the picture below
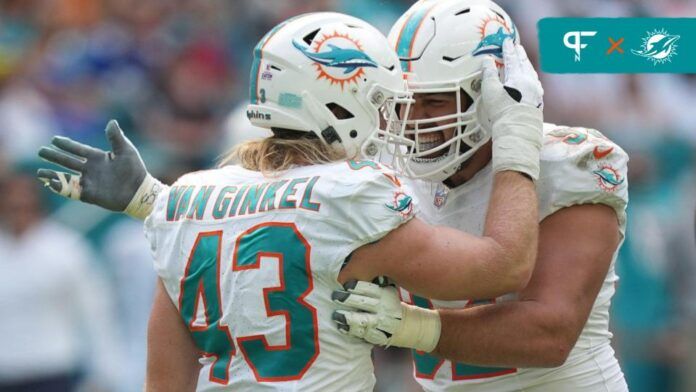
(441, 45)
(326, 73)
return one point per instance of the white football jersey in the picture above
(578, 166)
(251, 262)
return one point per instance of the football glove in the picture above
(377, 315)
(116, 180)
(514, 109)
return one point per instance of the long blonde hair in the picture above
(274, 154)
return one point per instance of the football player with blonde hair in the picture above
(248, 254)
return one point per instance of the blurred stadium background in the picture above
(76, 282)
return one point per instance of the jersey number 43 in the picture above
(279, 241)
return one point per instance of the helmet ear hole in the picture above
(339, 111)
(353, 133)
(310, 37)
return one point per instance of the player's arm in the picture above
(172, 357)
(576, 246)
(116, 180)
(448, 264)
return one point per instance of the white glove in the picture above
(514, 109)
(378, 316)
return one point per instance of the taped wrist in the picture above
(517, 141)
(419, 329)
(143, 201)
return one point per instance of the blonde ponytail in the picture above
(274, 154)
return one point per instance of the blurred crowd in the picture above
(76, 282)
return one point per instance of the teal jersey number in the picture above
(201, 280)
(283, 242)
(427, 365)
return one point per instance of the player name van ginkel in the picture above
(197, 202)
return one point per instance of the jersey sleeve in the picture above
(376, 203)
(154, 229)
(582, 166)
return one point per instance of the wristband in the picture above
(419, 329)
(143, 201)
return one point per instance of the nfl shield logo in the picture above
(440, 197)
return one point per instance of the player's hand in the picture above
(116, 180)
(377, 315)
(514, 110)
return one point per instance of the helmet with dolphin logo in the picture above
(441, 45)
(328, 74)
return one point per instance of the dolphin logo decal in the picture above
(609, 176)
(658, 47)
(402, 202)
(347, 59)
(493, 43)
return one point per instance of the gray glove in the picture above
(107, 179)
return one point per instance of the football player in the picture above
(552, 335)
(249, 254)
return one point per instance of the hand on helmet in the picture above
(514, 110)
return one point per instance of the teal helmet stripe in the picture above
(404, 44)
(258, 55)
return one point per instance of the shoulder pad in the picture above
(581, 166)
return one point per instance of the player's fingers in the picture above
(355, 301)
(350, 323)
(64, 184)
(490, 71)
(341, 322)
(50, 179)
(363, 288)
(75, 148)
(376, 336)
(511, 59)
(61, 158)
(117, 139)
(56, 186)
(390, 325)
(525, 65)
